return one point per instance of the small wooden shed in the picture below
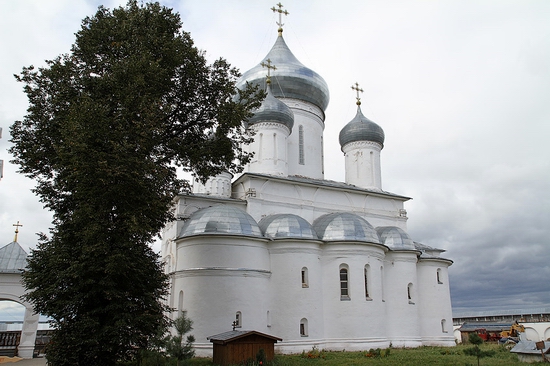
(237, 346)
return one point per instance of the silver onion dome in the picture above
(220, 219)
(273, 110)
(291, 80)
(345, 226)
(286, 226)
(360, 128)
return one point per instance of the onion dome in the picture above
(345, 226)
(286, 226)
(395, 238)
(293, 80)
(360, 128)
(220, 219)
(273, 110)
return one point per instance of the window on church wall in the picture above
(444, 325)
(238, 319)
(180, 303)
(367, 282)
(438, 275)
(344, 283)
(410, 293)
(382, 283)
(260, 147)
(275, 152)
(301, 157)
(305, 282)
(303, 327)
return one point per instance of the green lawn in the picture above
(447, 356)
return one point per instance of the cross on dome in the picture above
(16, 230)
(357, 89)
(269, 68)
(281, 12)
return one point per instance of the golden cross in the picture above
(269, 68)
(281, 12)
(16, 230)
(357, 89)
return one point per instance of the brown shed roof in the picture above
(232, 335)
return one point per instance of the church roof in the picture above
(291, 79)
(395, 238)
(345, 226)
(323, 183)
(286, 226)
(12, 258)
(220, 219)
(360, 128)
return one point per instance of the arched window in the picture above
(367, 282)
(238, 319)
(444, 325)
(382, 283)
(438, 274)
(303, 327)
(301, 157)
(275, 152)
(268, 318)
(305, 282)
(180, 303)
(344, 283)
(410, 293)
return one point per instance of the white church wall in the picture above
(223, 251)
(306, 161)
(352, 322)
(221, 275)
(434, 305)
(293, 298)
(212, 297)
(270, 149)
(362, 161)
(401, 295)
(311, 201)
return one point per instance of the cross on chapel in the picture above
(281, 12)
(16, 230)
(269, 68)
(357, 89)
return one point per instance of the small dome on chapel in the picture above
(273, 110)
(360, 128)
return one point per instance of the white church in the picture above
(282, 251)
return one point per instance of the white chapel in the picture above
(282, 251)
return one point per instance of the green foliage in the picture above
(175, 345)
(476, 351)
(261, 357)
(106, 127)
(314, 353)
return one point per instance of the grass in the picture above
(445, 356)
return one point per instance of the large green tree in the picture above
(107, 126)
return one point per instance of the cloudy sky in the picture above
(461, 89)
